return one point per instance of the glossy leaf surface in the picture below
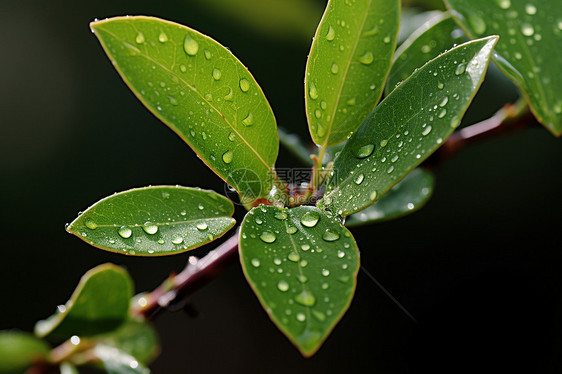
(432, 38)
(348, 65)
(529, 50)
(155, 221)
(406, 127)
(99, 304)
(202, 92)
(135, 338)
(302, 265)
(408, 196)
(18, 351)
(118, 362)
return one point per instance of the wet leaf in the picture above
(155, 221)
(408, 196)
(100, 303)
(19, 350)
(435, 36)
(302, 265)
(348, 65)
(409, 125)
(118, 362)
(202, 92)
(529, 50)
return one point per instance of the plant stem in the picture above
(177, 287)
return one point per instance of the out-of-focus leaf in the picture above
(18, 351)
(155, 221)
(409, 125)
(118, 362)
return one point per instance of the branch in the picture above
(176, 288)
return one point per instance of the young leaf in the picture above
(99, 304)
(19, 350)
(406, 127)
(302, 265)
(117, 362)
(155, 221)
(202, 92)
(529, 50)
(408, 196)
(347, 66)
(432, 38)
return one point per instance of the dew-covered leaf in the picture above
(529, 50)
(302, 265)
(432, 38)
(406, 127)
(19, 350)
(348, 65)
(136, 338)
(115, 361)
(202, 92)
(408, 196)
(100, 303)
(155, 221)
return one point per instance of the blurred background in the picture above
(479, 267)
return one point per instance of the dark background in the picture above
(479, 267)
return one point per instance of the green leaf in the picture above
(347, 66)
(302, 265)
(406, 127)
(412, 19)
(19, 350)
(529, 50)
(136, 338)
(68, 368)
(408, 196)
(155, 221)
(432, 38)
(202, 92)
(118, 362)
(99, 304)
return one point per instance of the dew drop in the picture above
(283, 286)
(331, 34)
(216, 74)
(231, 136)
(268, 237)
(91, 224)
(140, 38)
(176, 239)
(244, 85)
(305, 298)
(365, 151)
(294, 256)
(440, 85)
(427, 130)
(255, 262)
(319, 315)
(341, 254)
(190, 46)
(301, 317)
(359, 179)
(461, 68)
(150, 228)
(317, 113)
(531, 9)
(312, 91)
(386, 39)
(367, 58)
(325, 272)
(504, 4)
(305, 247)
(330, 236)
(291, 229)
(208, 54)
(227, 157)
(373, 195)
(302, 278)
(351, 101)
(444, 101)
(478, 24)
(335, 68)
(527, 29)
(310, 219)
(281, 216)
(442, 113)
(125, 232)
(201, 226)
(162, 38)
(249, 120)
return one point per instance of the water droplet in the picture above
(244, 85)
(231, 136)
(444, 101)
(531, 9)
(268, 237)
(386, 39)
(183, 69)
(478, 24)
(227, 157)
(201, 226)
(527, 29)
(426, 48)
(341, 254)
(140, 38)
(343, 279)
(335, 68)
(390, 169)
(442, 113)
(255, 262)
(319, 315)
(504, 4)
(330, 236)
(277, 261)
(325, 272)
(208, 54)
(461, 68)
(161, 241)
(125, 232)
(216, 74)
(91, 224)
(440, 85)
(310, 219)
(150, 228)
(162, 38)
(294, 256)
(427, 130)
(176, 239)
(318, 113)
(249, 120)
(281, 216)
(305, 298)
(359, 179)
(331, 34)
(312, 91)
(365, 151)
(302, 278)
(305, 247)
(325, 286)
(190, 46)
(291, 229)
(301, 317)
(283, 286)
(373, 195)
(367, 58)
